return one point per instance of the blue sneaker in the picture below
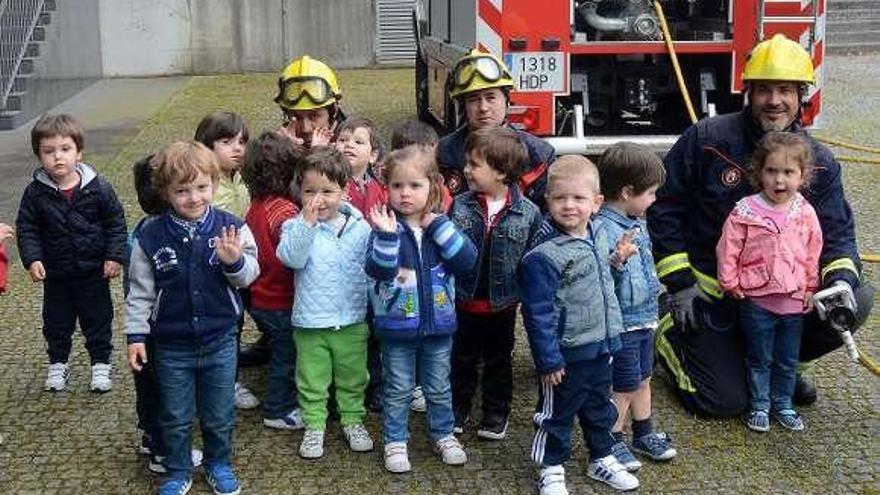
(222, 479)
(758, 421)
(656, 446)
(790, 419)
(175, 486)
(621, 452)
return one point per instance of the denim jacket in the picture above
(635, 283)
(569, 308)
(414, 291)
(505, 244)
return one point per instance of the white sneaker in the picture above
(552, 481)
(610, 471)
(312, 446)
(293, 421)
(56, 377)
(397, 458)
(244, 398)
(101, 381)
(418, 403)
(451, 451)
(157, 462)
(358, 438)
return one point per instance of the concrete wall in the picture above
(146, 37)
(67, 62)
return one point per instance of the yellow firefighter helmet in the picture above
(779, 59)
(306, 84)
(478, 70)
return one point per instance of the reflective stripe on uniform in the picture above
(840, 264)
(672, 263)
(664, 348)
(708, 284)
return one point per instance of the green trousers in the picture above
(325, 356)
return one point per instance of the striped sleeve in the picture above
(383, 255)
(457, 251)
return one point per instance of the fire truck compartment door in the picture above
(537, 71)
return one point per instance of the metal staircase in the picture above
(22, 33)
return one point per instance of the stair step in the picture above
(8, 120)
(18, 32)
(20, 83)
(852, 48)
(860, 25)
(834, 5)
(853, 37)
(49, 6)
(845, 15)
(13, 102)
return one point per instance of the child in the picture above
(572, 318)
(359, 142)
(325, 244)
(185, 267)
(630, 175)
(145, 383)
(72, 237)
(413, 256)
(768, 257)
(227, 135)
(270, 164)
(415, 132)
(500, 221)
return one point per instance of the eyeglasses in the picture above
(486, 66)
(314, 88)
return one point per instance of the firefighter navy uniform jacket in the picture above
(706, 174)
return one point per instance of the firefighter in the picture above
(309, 94)
(481, 84)
(707, 169)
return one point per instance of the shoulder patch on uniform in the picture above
(731, 176)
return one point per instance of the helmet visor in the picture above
(314, 88)
(486, 67)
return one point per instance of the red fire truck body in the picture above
(588, 73)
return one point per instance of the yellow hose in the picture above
(869, 363)
(682, 87)
(844, 144)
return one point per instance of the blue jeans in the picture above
(196, 378)
(280, 387)
(772, 348)
(400, 359)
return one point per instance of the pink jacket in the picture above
(759, 261)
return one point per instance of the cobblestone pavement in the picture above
(78, 442)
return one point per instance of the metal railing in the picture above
(17, 21)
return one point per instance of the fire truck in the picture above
(588, 73)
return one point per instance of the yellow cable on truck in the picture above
(682, 87)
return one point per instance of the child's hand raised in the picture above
(625, 248)
(321, 137)
(384, 219)
(6, 232)
(228, 247)
(310, 210)
(112, 269)
(554, 378)
(289, 129)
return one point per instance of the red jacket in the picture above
(364, 195)
(760, 261)
(273, 289)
